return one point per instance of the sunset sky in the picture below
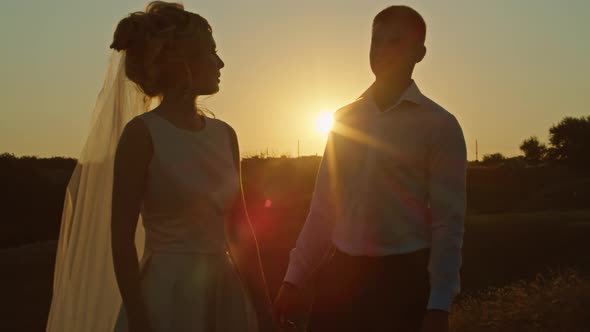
(507, 69)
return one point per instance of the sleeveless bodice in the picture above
(191, 184)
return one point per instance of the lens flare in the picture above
(325, 122)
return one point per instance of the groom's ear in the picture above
(420, 53)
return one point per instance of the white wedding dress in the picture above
(189, 282)
(187, 277)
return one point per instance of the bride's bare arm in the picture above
(134, 152)
(244, 248)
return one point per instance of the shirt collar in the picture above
(411, 94)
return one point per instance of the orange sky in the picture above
(506, 69)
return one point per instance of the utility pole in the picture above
(476, 152)
(298, 150)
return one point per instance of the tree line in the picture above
(568, 145)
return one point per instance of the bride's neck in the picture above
(185, 106)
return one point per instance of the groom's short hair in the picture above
(410, 18)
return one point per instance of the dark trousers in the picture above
(388, 293)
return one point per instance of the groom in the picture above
(382, 241)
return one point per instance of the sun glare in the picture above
(325, 122)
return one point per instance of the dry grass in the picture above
(499, 250)
(557, 302)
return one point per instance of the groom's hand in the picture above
(435, 321)
(287, 306)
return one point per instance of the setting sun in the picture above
(325, 122)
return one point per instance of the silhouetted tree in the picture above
(493, 159)
(534, 151)
(570, 142)
(7, 155)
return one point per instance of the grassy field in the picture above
(517, 273)
(550, 302)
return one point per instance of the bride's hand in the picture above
(288, 305)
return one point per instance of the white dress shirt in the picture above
(390, 182)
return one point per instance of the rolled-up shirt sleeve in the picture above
(315, 239)
(447, 193)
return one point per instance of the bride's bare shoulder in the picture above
(136, 136)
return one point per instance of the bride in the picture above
(163, 185)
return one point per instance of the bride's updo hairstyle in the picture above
(159, 44)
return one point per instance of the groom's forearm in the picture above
(313, 246)
(445, 255)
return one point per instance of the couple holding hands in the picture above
(381, 246)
